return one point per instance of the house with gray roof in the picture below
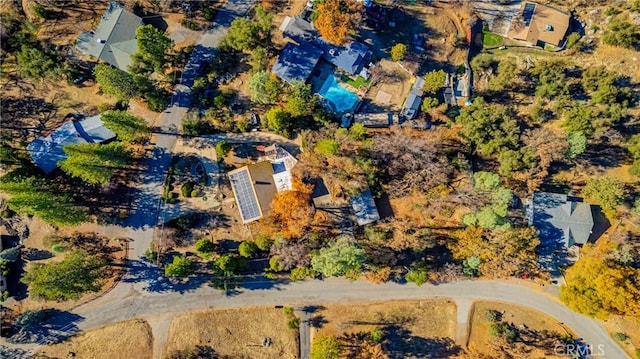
(296, 62)
(560, 219)
(364, 208)
(47, 151)
(114, 40)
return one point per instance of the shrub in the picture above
(205, 248)
(429, 103)
(302, 273)
(190, 24)
(377, 335)
(492, 315)
(195, 193)
(327, 147)
(293, 323)
(620, 336)
(208, 13)
(572, 40)
(503, 330)
(40, 11)
(247, 249)
(417, 276)
(288, 311)
(151, 253)
(104, 107)
(186, 189)
(222, 148)
(263, 242)
(58, 248)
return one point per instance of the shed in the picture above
(364, 208)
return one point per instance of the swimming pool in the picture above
(340, 98)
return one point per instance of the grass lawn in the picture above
(113, 341)
(359, 81)
(490, 39)
(237, 333)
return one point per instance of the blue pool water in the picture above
(340, 98)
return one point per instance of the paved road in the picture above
(172, 299)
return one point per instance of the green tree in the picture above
(577, 144)
(179, 267)
(94, 163)
(258, 59)
(153, 47)
(486, 181)
(127, 127)
(37, 64)
(337, 259)
(579, 119)
(398, 52)
(327, 147)
(633, 146)
(264, 22)
(247, 249)
(258, 88)
(114, 82)
(490, 127)
(229, 264)
(263, 242)
(326, 347)
(205, 248)
(513, 161)
(572, 40)
(300, 273)
(243, 34)
(429, 102)
(598, 288)
(606, 191)
(31, 196)
(621, 33)
(278, 120)
(300, 99)
(470, 266)
(77, 274)
(434, 81)
(551, 78)
(222, 148)
(507, 72)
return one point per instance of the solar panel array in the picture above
(527, 13)
(246, 198)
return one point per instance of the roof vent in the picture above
(332, 52)
(548, 28)
(100, 41)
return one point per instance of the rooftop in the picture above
(254, 188)
(47, 151)
(364, 208)
(296, 62)
(114, 41)
(537, 22)
(560, 218)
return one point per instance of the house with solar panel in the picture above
(47, 151)
(114, 40)
(256, 185)
(540, 25)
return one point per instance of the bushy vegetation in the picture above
(179, 267)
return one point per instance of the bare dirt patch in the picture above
(114, 341)
(235, 332)
(431, 322)
(628, 326)
(479, 337)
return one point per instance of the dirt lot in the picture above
(479, 334)
(235, 332)
(411, 322)
(114, 341)
(628, 326)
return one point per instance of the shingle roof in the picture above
(298, 29)
(559, 218)
(537, 22)
(350, 58)
(114, 41)
(365, 208)
(296, 62)
(47, 151)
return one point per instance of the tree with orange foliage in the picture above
(336, 18)
(292, 211)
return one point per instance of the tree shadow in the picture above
(156, 282)
(401, 344)
(47, 326)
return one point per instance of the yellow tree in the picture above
(598, 288)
